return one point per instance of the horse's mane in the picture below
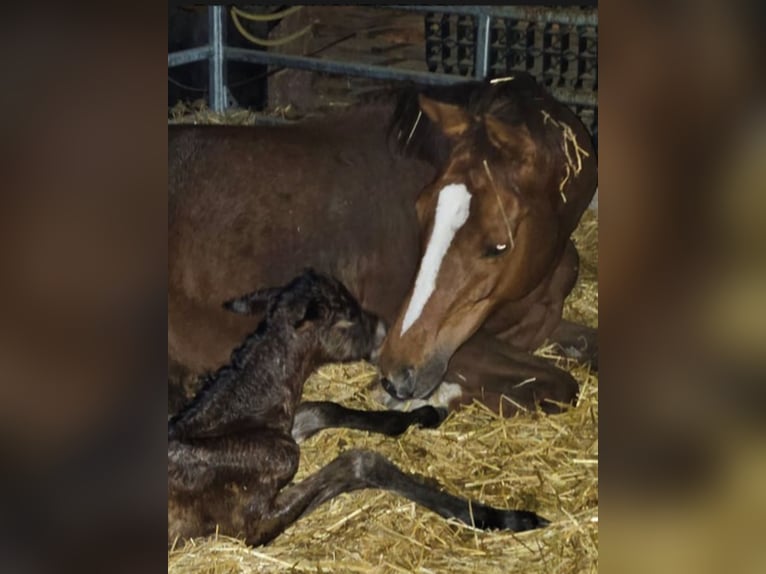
(515, 101)
(414, 135)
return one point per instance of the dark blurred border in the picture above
(83, 289)
(682, 286)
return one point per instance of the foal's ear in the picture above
(252, 303)
(305, 317)
(452, 120)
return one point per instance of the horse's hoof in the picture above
(542, 522)
(523, 520)
(431, 417)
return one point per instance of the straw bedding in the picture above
(548, 464)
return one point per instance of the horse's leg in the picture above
(312, 417)
(509, 380)
(226, 481)
(574, 340)
(577, 341)
(492, 372)
(197, 464)
(358, 469)
(497, 368)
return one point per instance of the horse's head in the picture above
(517, 171)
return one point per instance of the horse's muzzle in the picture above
(402, 387)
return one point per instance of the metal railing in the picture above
(217, 53)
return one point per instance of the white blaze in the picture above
(452, 210)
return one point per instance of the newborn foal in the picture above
(231, 453)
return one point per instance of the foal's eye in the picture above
(495, 250)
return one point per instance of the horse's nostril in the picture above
(388, 387)
(402, 385)
(399, 393)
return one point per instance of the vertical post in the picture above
(216, 27)
(482, 46)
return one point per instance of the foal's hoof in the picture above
(522, 520)
(430, 417)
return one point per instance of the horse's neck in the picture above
(357, 119)
(376, 234)
(371, 123)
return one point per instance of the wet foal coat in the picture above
(232, 451)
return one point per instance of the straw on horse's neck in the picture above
(499, 202)
(412, 131)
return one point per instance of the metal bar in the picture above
(482, 46)
(572, 16)
(264, 121)
(564, 95)
(335, 67)
(573, 98)
(188, 56)
(217, 61)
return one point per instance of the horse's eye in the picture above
(496, 250)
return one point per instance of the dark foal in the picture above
(232, 451)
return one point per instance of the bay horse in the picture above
(447, 211)
(232, 452)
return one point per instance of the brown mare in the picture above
(446, 211)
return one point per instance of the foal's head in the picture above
(319, 310)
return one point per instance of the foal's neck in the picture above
(271, 372)
(260, 387)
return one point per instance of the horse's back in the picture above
(250, 207)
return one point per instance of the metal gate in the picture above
(559, 46)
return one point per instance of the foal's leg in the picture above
(312, 417)
(358, 469)
(227, 482)
(197, 464)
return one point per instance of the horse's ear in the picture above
(312, 312)
(252, 303)
(452, 120)
(512, 140)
